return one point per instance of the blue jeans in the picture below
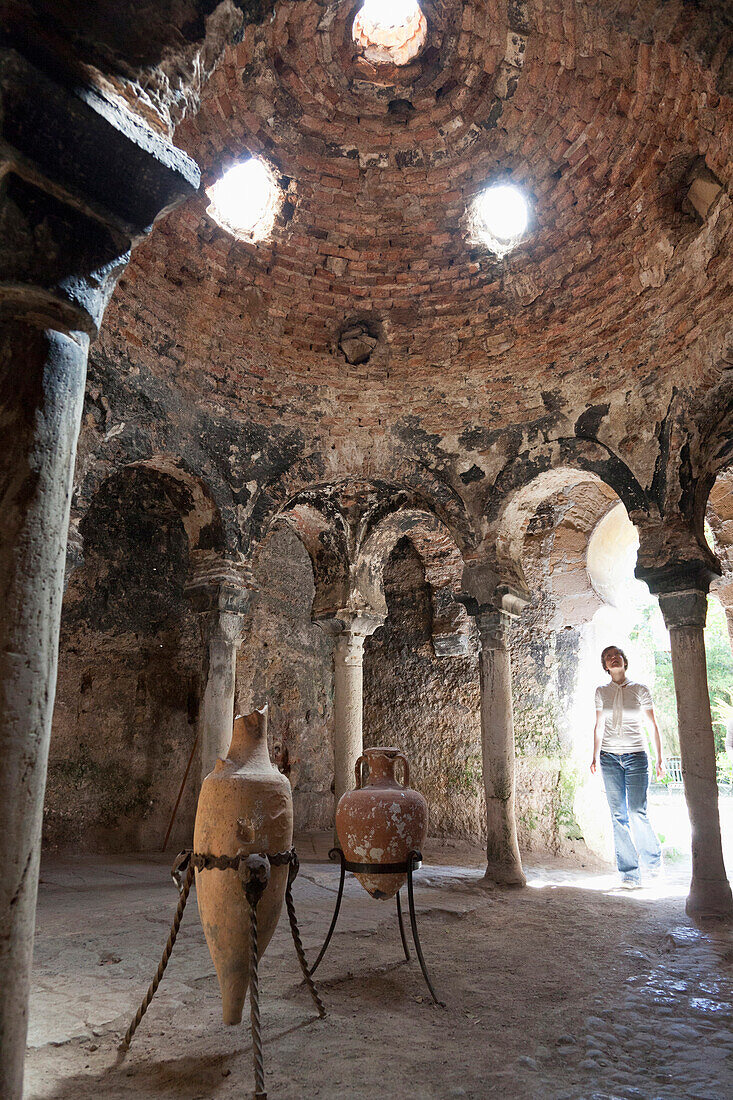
(626, 779)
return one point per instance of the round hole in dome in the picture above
(501, 216)
(390, 31)
(245, 200)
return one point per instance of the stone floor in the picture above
(569, 989)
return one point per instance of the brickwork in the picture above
(600, 346)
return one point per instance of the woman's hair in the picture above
(605, 651)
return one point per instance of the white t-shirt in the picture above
(623, 707)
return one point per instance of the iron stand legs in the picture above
(413, 861)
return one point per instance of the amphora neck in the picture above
(382, 764)
(249, 741)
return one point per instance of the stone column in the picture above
(223, 635)
(504, 864)
(220, 589)
(351, 629)
(684, 614)
(78, 184)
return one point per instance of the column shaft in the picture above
(684, 613)
(217, 704)
(347, 709)
(504, 864)
(42, 377)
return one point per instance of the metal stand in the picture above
(413, 862)
(254, 872)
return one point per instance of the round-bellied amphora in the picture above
(246, 806)
(381, 821)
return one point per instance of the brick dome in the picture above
(598, 114)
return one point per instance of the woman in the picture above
(619, 745)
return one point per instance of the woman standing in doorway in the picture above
(619, 746)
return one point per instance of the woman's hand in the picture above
(660, 768)
(594, 765)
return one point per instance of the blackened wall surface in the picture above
(129, 677)
(285, 661)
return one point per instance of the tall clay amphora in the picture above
(382, 821)
(246, 806)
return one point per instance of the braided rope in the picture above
(172, 936)
(300, 952)
(254, 1007)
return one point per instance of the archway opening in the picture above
(129, 672)
(426, 703)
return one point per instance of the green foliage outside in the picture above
(720, 674)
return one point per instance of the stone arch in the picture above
(567, 453)
(322, 530)
(537, 508)
(442, 562)
(719, 513)
(399, 473)
(189, 493)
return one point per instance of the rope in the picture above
(254, 1007)
(254, 872)
(172, 936)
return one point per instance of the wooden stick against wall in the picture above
(180, 793)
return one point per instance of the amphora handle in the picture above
(406, 777)
(357, 770)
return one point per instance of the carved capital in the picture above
(349, 648)
(672, 557)
(485, 590)
(350, 630)
(217, 584)
(688, 607)
(493, 629)
(222, 627)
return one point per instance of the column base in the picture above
(710, 900)
(505, 874)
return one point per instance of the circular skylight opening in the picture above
(501, 215)
(390, 31)
(245, 200)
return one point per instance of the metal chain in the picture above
(185, 889)
(290, 904)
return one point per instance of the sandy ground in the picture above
(570, 989)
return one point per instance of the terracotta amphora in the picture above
(382, 821)
(245, 805)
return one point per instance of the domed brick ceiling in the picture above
(597, 110)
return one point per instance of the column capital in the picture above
(493, 628)
(71, 209)
(359, 623)
(500, 596)
(218, 584)
(222, 626)
(687, 607)
(494, 618)
(694, 574)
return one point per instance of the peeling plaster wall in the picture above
(129, 679)
(427, 706)
(286, 661)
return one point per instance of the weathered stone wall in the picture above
(286, 661)
(429, 707)
(426, 705)
(129, 677)
(543, 676)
